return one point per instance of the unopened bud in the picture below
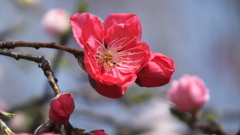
(189, 93)
(61, 108)
(56, 21)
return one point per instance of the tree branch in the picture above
(42, 63)
(37, 45)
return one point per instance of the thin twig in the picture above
(37, 45)
(63, 39)
(42, 63)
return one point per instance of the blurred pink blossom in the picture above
(189, 93)
(56, 21)
(3, 105)
(18, 122)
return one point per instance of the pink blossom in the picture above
(157, 72)
(61, 108)
(189, 93)
(56, 21)
(113, 53)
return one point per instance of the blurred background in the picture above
(203, 37)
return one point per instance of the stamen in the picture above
(129, 41)
(111, 61)
(115, 42)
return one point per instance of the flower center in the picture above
(106, 58)
(119, 55)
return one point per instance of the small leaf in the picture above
(6, 115)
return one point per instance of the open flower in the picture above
(61, 108)
(113, 53)
(157, 72)
(189, 93)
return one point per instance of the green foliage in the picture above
(82, 7)
(6, 115)
(142, 97)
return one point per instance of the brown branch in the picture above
(42, 63)
(37, 45)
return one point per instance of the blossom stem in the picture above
(37, 45)
(68, 128)
(42, 63)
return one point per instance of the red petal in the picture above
(85, 26)
(91, 65)
(123, 19)
(157, 72)
(119, 31)
(110, 91)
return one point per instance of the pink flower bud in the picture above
(56, 21)
(157, 72)
(98, 132)
(61, 108)
(189, 93)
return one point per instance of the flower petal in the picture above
(120, 31)
(123, 20)
(110, 91)
(85, 25)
